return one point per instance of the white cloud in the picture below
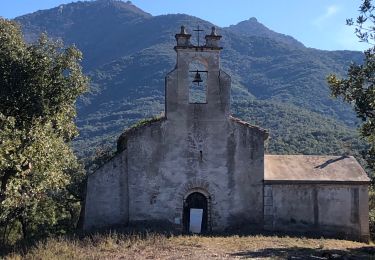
(330, 11)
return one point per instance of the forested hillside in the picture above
(277, 83)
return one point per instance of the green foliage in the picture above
(364, 24)
(298, 131)
(277, 83)
(101, 156)
(39, 85)
(128, 66)
(358, 88)
(147, 121)
(130, 63)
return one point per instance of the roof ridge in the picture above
(121, 141)
(241, 122)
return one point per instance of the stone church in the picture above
(199, 169)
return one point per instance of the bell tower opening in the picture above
(197, 82)
(197, 88)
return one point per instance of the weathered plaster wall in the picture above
(165, 163)
(107, 195)
(327, 209)
(199, 147)
(196, 147)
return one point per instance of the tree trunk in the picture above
(81, 219)
(4, 181)
(23, 227)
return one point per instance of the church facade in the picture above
(199, 169)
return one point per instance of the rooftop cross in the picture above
(198, 31)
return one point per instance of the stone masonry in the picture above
(198, 155)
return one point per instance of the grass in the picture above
(160, 246)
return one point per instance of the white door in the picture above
(196, 216)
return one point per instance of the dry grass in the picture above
(156, 246)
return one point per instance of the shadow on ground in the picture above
(298, 253)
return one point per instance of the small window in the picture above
(198, 83)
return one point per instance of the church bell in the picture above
(197, 78)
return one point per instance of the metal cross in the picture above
(198, 30)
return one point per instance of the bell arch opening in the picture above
(198, 76)
(196, 213)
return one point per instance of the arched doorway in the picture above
(195, 200)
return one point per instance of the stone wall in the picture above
(107, 195)
(223, 159)
(328, 209)
(197, 147)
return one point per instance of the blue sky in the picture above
(316, 23)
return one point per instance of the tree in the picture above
(358, 88)
(39, 86)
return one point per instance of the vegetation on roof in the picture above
(121, 142)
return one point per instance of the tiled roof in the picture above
(313, 168)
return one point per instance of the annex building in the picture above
(199, 169)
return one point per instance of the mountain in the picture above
(98, 28)
(252, 27)
(127, 53)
